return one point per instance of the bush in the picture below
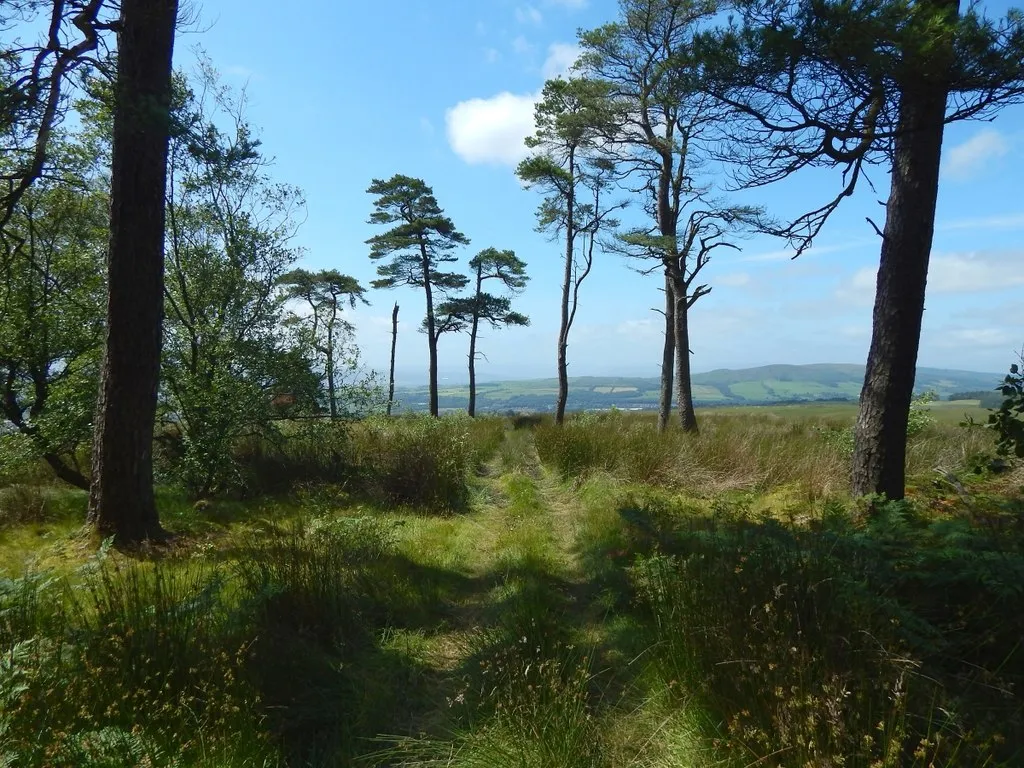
(416, 461)
(134, 663)
(833, 644)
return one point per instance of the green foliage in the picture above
(135, 662)
(836, 642)
(422, 238)
(1008, 420)
(416, 461)
(463, 312)
(52, 294)
(326, 331)
(919, 419)
(226, 354)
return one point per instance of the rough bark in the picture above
(684, 389)
(121, 501)
(668, 355)
(563, 332)
(394, 347)
(880, 437)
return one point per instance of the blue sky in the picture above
(343, 92)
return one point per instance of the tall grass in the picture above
(414, 461)
(753, 451)
(123, 662)
(895, 643)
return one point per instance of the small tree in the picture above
(51, 303)
(421, 239)
(325, 293)
(226, 354)
(571, 118)
(468, 312)
(1008, 419)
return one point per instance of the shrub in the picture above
(136, 660)
(834, 644)
(1008, 419)
(417, 461)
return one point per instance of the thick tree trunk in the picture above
(668, 355)
(563, 331)
(121, 501)
(394, 347)
(880, 437)
(684, 391)
(472, 361)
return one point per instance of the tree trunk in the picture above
(667, 358)
(121, 501)
(684, 391)
(331, 391)
(431, 334)
(472, 364)
(563, 332)
(394, 346)
(880, 436)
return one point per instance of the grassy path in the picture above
(528, 666)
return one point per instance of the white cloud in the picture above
(999, 221)
(733, 280)
(948, 273)
(561, 57)
(972, 338)
(527, 14)
(491, 131)
(571, 4)
(964, 161)
(975, 272)
(522, 46)
(817, 250)
(859, 290)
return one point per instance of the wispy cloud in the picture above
(527, 14)
(998, 221)
(817, 250)
(522, 46)
(967, 160)
(976, 272)
(561, 57)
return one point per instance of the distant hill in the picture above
(749, 386)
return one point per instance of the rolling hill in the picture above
(749, 386)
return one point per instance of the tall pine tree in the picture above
(421, 239)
